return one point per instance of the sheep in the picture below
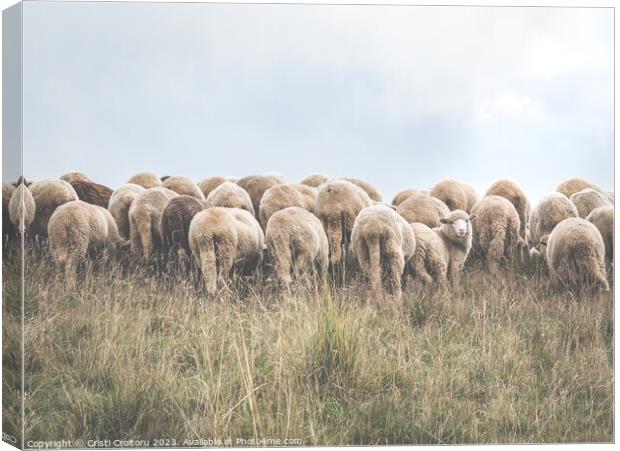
(456, 195)
(549, 212)
(145, 179)
(92, 192)
(75, 177)
(430, 260)
(575, 184)
(456, 233)
(610, 196)
(231, 195)
(382, 239)
(423, 208)
(373, 192)
(287, 195)
(119, 204)
(337, 205)
(77, 227)
(21, 180)
(512, 192)
(406, 194)
(175, 220)
(576, 255)
(48, 195)
(8, 229)
(496, 232)
(603, 219)
(144, 220)
(276, 177)
(587, 200)
(222, 239)
(208, 185)
(296, 243)
(22, 209)
(255, 186)
(314, 180)
(183, 185)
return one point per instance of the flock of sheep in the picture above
(228, 225)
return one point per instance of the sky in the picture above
(400, 96)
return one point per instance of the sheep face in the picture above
(457, 225)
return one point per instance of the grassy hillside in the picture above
(132, 354)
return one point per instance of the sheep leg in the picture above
(395, 271)
(282, 259)
(495, 254)
(334, 236)
(373, 267)
(421, 272)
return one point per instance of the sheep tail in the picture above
(208, 264)
(374, 261)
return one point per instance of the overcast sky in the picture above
(399, 96)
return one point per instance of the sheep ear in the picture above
(473, 217)
(444, 220)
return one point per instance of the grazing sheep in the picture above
(456, 233)
(255, 186)
(78, 227)
(587, 200)
(48, 195)
(456, 195)
(144, 220)
(183, 185)
(175, 220)
(496, 232)
(75, 177)
(8, 230)
(296, 243)
(22, 209)
(576, 255)
(406, 194)
(119, 204)
(512, 192)
(222, 239)
(337, 205)
(208, 185)
(92, 192)
(423, 208)
(231, 195)
(382, 240)
(314, 180)
(573, 185)
(276, 177)
(372, 192)
(288, 195)
(549, 212)
(603, 219)
(145, 179)
(430, 260)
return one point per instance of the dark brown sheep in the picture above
(175, 220)
(92, 193)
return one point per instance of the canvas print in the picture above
(240, 225)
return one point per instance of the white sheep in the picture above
(338, 204)
(223, 239)
(48, 195)
(456, 233)
(119, 204)
(297, 244)
(230, 195)
(549, 212)
(587, 200)
(77, 228)
(496, 232)
(576, 255)
(455, 194)
(382, 240)
(22, 209)
(144, 220)
(603, 219)
(145, 179)
(286, 195)
(183, 185)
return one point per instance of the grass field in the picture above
(136, 355)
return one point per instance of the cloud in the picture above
(402, 96)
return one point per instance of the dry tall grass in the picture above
(132, 354)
